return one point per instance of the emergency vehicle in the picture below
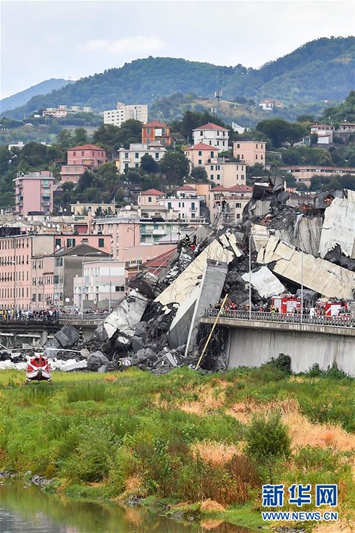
(286, 304)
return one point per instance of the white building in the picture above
(131, 157)
(212, 135)
(125, 112)
(101, 286)
(186, 203)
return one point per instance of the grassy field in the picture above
(201, 442)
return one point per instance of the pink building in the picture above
(229, 202)
(81, 158)
(16, 273)
(250, 152)
(149, 197)
(200, 154)
(34, 192)
(87, 155)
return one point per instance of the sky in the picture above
(46, 39)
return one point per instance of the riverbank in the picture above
(184, 439)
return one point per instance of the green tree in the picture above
(175, 166)
(148, 164)
(65, 140)
(281, 131)
(199, 174)
(80, 136)
(268, 441)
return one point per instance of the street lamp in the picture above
(82, 279)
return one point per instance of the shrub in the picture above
(268, 441)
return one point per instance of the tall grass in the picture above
(181, 436)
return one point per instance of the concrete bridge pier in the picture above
(44, 336)
(254, 347)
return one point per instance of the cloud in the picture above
(135, 45)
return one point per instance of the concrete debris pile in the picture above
(277, 248)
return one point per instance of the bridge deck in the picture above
(275, 321)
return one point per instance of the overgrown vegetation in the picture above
(186, 436)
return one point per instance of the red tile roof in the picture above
(210, 126)
(219, 188)
(240, 188)
(186, 188)
(155, 124)
(200, 146)
(159, 262)
(152, 192)
(87, 147)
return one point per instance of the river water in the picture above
(24, 508)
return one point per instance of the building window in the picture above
(70, 243)
(136, 165)
(238, 145)
(200, 153)
(101, 243)
(82, 153)
(149, 199)
(238, 205)
(218, 176)
(212, 153)
(157, 155)
(256, 156)
(148, 130)
(136, 155)
(211, 176)
(169, 205)
(126, 155)
(261, 157)
(256, 146)
(58, 242)
(74, 154)
(211, 167)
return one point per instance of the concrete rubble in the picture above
(156, 327)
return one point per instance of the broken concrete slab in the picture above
(96, 360)
(210, 291)
(339, 226)
(265, 282)
(180, 325)
(67, 336)
(314, 273)
(127, 315)
(191, 277)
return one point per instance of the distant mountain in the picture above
(21, 98)
(319, 70)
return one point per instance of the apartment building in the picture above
(304, 173)
(212, 135)
(81, 158)
(126, 112)
(131, 158)
(226, 173)
(200, 154)
(250, 152)
(229, 202)
(18, 253)
(156, 131)
(34, 192)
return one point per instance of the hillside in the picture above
(319, 70)
(21, 98)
